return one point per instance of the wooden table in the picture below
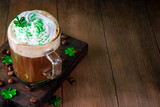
(122, 67)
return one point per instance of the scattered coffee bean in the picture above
(9, 64)
(10, 81)
(73, 82)
(10, 68)
(1, 83)
(70, 79)
(28, 88)
(10, 73)
(75, 51)
(63, 59)
(33, 100)
(8, 52)
(64, 42)
(64, 36)
(3, 51)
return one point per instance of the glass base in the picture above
(36, 84)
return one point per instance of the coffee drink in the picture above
(31, 34)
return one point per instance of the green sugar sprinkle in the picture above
(40, 43)
(25, 29)
(32, 17)
(39, 26)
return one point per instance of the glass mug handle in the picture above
(56, 62)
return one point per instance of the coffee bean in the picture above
(64, 36)
(28, 88)
(64, 42)
(1, 83)
(3, 51)
(10, 73)
(75, 51)
(10, 68)
(8, 52)
(33, 100)
(70, 79)
(9, 64)
(73, 82)
(10, 81)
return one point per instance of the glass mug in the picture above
(36, 64)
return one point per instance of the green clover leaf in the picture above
(26, 75)
(8, 94)
(69, 51)
(20, 22)
(54, 100)
(7, 59)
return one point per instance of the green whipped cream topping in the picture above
(34, 28)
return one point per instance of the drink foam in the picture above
(38, 34)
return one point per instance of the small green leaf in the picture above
(3, 57)
(69, 51)
(54, 100)
(57, 103)
(59, 98)
(7, 59)
(3, 92)
(8, 94)
(4, 61)
(13, 92)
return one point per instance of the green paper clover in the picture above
(20, 22)
(8, 94)
(54, 100)
(69, 51)
(7, 59)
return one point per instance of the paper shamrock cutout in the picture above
(8, 94)
(54, 100)
(7, 59)
(20, 22)
(69, 51)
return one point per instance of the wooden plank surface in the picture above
(153, 8)
(122, 66)
(133, 52)
(95, 86)
(4, 5)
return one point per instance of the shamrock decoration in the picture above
(69, 51)
(8, 94)
(54, 100)
(7, 59)
(26, 75)
(20, 22)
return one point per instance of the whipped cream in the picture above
(37, 29)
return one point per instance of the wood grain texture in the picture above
(153, 8)
(4, 4)
(95, 86)
(133, 53)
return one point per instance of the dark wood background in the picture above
(122, 68)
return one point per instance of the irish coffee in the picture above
(32, 35)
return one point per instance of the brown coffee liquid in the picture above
(31, 69)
